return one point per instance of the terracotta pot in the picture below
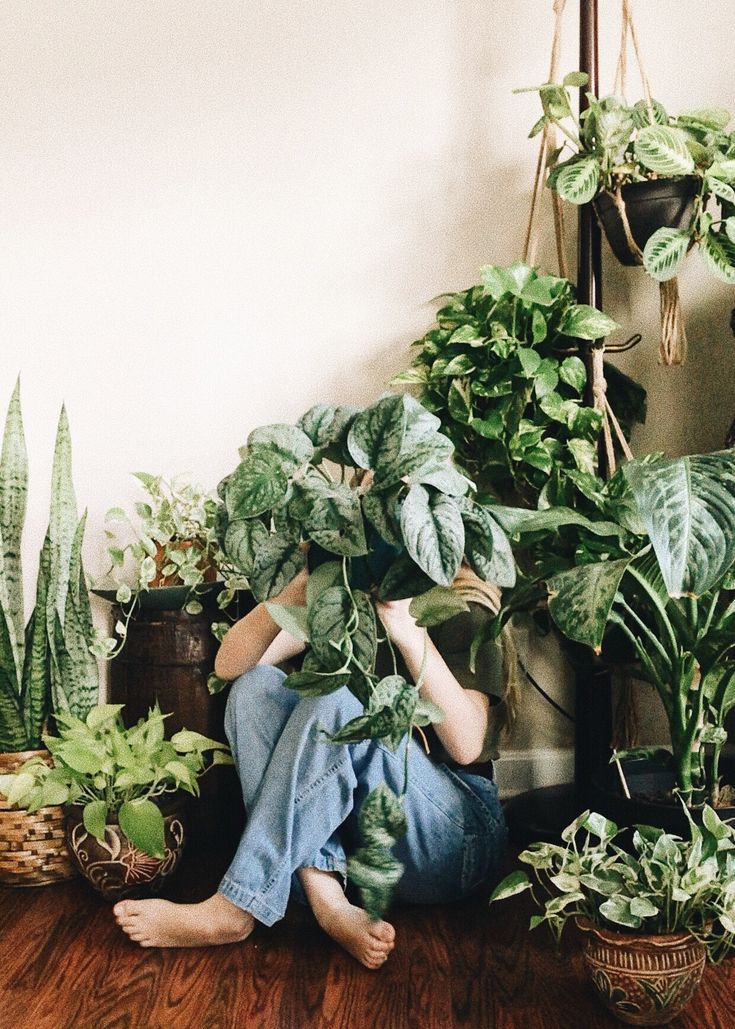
(33, 850)
(118, 869)
(649, 206)
(205, 565)
(643, 980)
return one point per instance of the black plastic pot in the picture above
(649, 205)
(645, 780)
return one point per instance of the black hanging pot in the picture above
(650, 205)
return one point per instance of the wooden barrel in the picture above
(168, 656)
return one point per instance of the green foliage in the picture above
(500, 370)
(613, 144)
(666, 885)
(48, 664)
(109, 770)
(377, 498)
(654, 565)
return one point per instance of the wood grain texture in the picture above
(65, 965)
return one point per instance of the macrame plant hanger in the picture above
(673, 346)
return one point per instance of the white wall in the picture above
(213, 214)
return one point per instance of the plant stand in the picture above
(167, 657)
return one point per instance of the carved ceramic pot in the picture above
(643, 980)
(118, 869)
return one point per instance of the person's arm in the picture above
(466, 711)
(256, 639)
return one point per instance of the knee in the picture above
(251, 691)
(332, 711)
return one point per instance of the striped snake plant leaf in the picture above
(13, 735)
(663, 149)
(78, 682)
(578, 181)
(687, 506)
(581, 598)
(62, 523)
(13, 493)
(60, 668)
(718, 253)
(664, 253)
(78, 581)
(36, 693)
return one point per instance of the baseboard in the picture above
(519, 770)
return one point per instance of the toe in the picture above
(383, 931)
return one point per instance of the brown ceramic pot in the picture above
(643, 980)
(115, 867)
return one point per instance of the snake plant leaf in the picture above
(13, 492)
(687, 506)
(718, 253)
(63, 521)
(581, 598)
(487, 548)
(78, 675)
(579, 180)
(288, 442)
(259, 483)
(664, 253)
(663, 149)
(277, 562)
(36, 691)
(376, 435)
(12, 729)
(433, 531)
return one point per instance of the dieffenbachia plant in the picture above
(613, 143)
(47, 665)
(660, 574)
(376, 494)
(501, 371)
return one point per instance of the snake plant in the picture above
(45, 665)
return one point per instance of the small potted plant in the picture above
(47, 666)
(650, 915)
(372, 500)
(123, 833)
(502, 372)
(650, 176)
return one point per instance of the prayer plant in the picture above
(655, 565)
(666, 885)
(502, 372)
(613, 144)
(376, 499)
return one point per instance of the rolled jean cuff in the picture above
(248, 901)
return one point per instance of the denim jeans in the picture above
(303, 794)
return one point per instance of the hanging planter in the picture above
(647, 206)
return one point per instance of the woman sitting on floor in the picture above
(302, 795)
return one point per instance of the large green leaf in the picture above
(289, 442)
(259, 483)
(487, 548)
(579, 180)
(243, 539)
(377, 432)
(373, 869)
(687, 506)
(664, 253)
(142, 823)
(381, 508)
(585, 322)
(580, 599)
(433, 531)
(329, 618)
(334, 520)
(327, 425)
(404, 579)
(437, 605)
(277, 562)
(663, 149)
(519, 520)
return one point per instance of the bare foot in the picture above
(159, 923)
(350, 926)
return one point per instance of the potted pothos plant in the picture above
(654, 567)
(46, 665)
(650, 914)
(502, 372)
(656, 170)
(115, 783)
(376, 494)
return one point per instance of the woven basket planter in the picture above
(32, 847)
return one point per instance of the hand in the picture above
(398, 621)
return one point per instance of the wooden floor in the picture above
(64, 963)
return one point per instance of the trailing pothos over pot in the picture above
(655, 565)
(501, 371)
(651, 176)
(376, 499)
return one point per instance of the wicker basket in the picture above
(32, 847)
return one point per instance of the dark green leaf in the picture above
(276, 564)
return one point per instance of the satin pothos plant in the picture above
(656, 565)
(374, 497)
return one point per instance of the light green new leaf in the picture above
(94, 817)
(584, 322)
(664, 253)
(142, 823)
(687, 506)
(433, 532)
(663, 149)
(580, 599)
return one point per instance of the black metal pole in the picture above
(593, 718)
